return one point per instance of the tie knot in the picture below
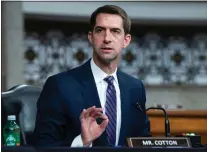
(109, 79)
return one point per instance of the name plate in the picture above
(159, 142)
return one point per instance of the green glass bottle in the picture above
(11, 132)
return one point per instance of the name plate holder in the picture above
(159, 142)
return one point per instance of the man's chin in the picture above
(108, 60)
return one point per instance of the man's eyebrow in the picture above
(99, 27)
(113, 28)
(118, 29)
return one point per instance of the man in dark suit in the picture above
(94, 104)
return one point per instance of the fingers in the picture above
(91, 112)
(104, 123)
(96, 115)
(83, 113)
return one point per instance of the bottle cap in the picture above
(11, 117)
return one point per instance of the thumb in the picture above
(104, 123)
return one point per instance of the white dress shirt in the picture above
(101, 86)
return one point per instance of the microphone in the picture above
(167, 122)
(137, 105)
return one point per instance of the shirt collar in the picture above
(99, 74)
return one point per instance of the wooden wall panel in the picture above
(181, 121)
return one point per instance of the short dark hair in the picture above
(112, 9)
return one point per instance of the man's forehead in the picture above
(105, 16)
(109, 21)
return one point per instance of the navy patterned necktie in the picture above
(110, 110)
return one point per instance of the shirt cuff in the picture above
(77, 142)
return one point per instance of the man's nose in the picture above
(107, 37)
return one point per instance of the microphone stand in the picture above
(167, 122)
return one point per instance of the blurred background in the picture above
(168, 51)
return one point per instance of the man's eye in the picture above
(116, 31)
(98, 30)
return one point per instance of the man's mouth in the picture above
(107, 49)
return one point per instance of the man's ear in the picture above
(90, 37)
(127, 40)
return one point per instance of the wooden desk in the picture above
(181, 121)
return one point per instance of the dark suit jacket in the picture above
(65, 95)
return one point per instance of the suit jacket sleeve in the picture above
(50, 119)
(146, 128)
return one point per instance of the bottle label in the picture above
(10, 141)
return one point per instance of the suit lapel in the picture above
(91, 98)
(125, 107)
(89, 90)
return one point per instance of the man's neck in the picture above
(107, 68)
